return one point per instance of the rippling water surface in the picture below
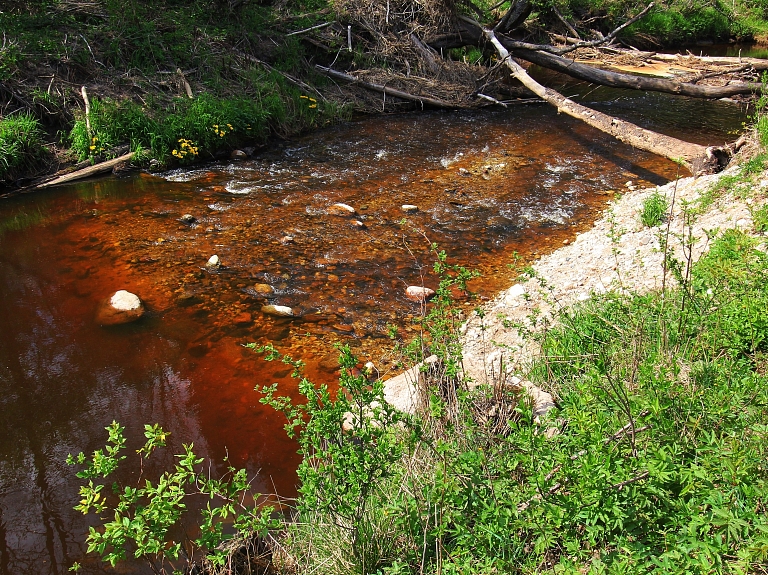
(486, 184)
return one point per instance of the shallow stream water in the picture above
(487, 185)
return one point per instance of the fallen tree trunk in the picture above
(85, 172)
(384, 90)
(698, 159)
(471, 33)
(619, 80)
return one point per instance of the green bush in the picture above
(143, 515)
(22, 148)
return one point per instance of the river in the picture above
(487, 185)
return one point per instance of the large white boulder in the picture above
(122, 307)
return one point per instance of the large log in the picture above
(619, 80)
(469, 33)
(698, 159)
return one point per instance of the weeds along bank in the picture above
(653, 459)
(178, 82)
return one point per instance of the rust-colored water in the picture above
(486, 185)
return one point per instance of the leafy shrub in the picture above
(760, 218)
(144, 515)
(22, 147)
(654, 210)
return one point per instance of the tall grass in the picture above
(207, 123)
(22, 148)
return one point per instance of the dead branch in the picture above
(385, 90)
(538, 497)
(634, 479)
(187, 87)
(290, 79)
(565, 22)
(85, 172)
(722, 72)
(323, 25)
(87, 102)
(607, 39)
(426, 53)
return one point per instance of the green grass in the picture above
(674, 22)
(207, 123)
(128, 52)
(22, 148)
(655, 208)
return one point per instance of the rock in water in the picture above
(263, 289)
(238, 155)
(213, 262)
(419, 293)
(409, 208)
(277, 310)
(341, 210)
(188, 219)
(122, 307)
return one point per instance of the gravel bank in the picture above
(618, 253)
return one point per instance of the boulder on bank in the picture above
(122, 307)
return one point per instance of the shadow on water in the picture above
(486, 184)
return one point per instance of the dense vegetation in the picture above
(247, 75)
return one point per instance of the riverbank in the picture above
(649, 330)
(619, 253)
(86, 81)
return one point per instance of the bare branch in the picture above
(607, 39)
(323, 25)
(565, 22)
(384, 90)
(634, 479)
